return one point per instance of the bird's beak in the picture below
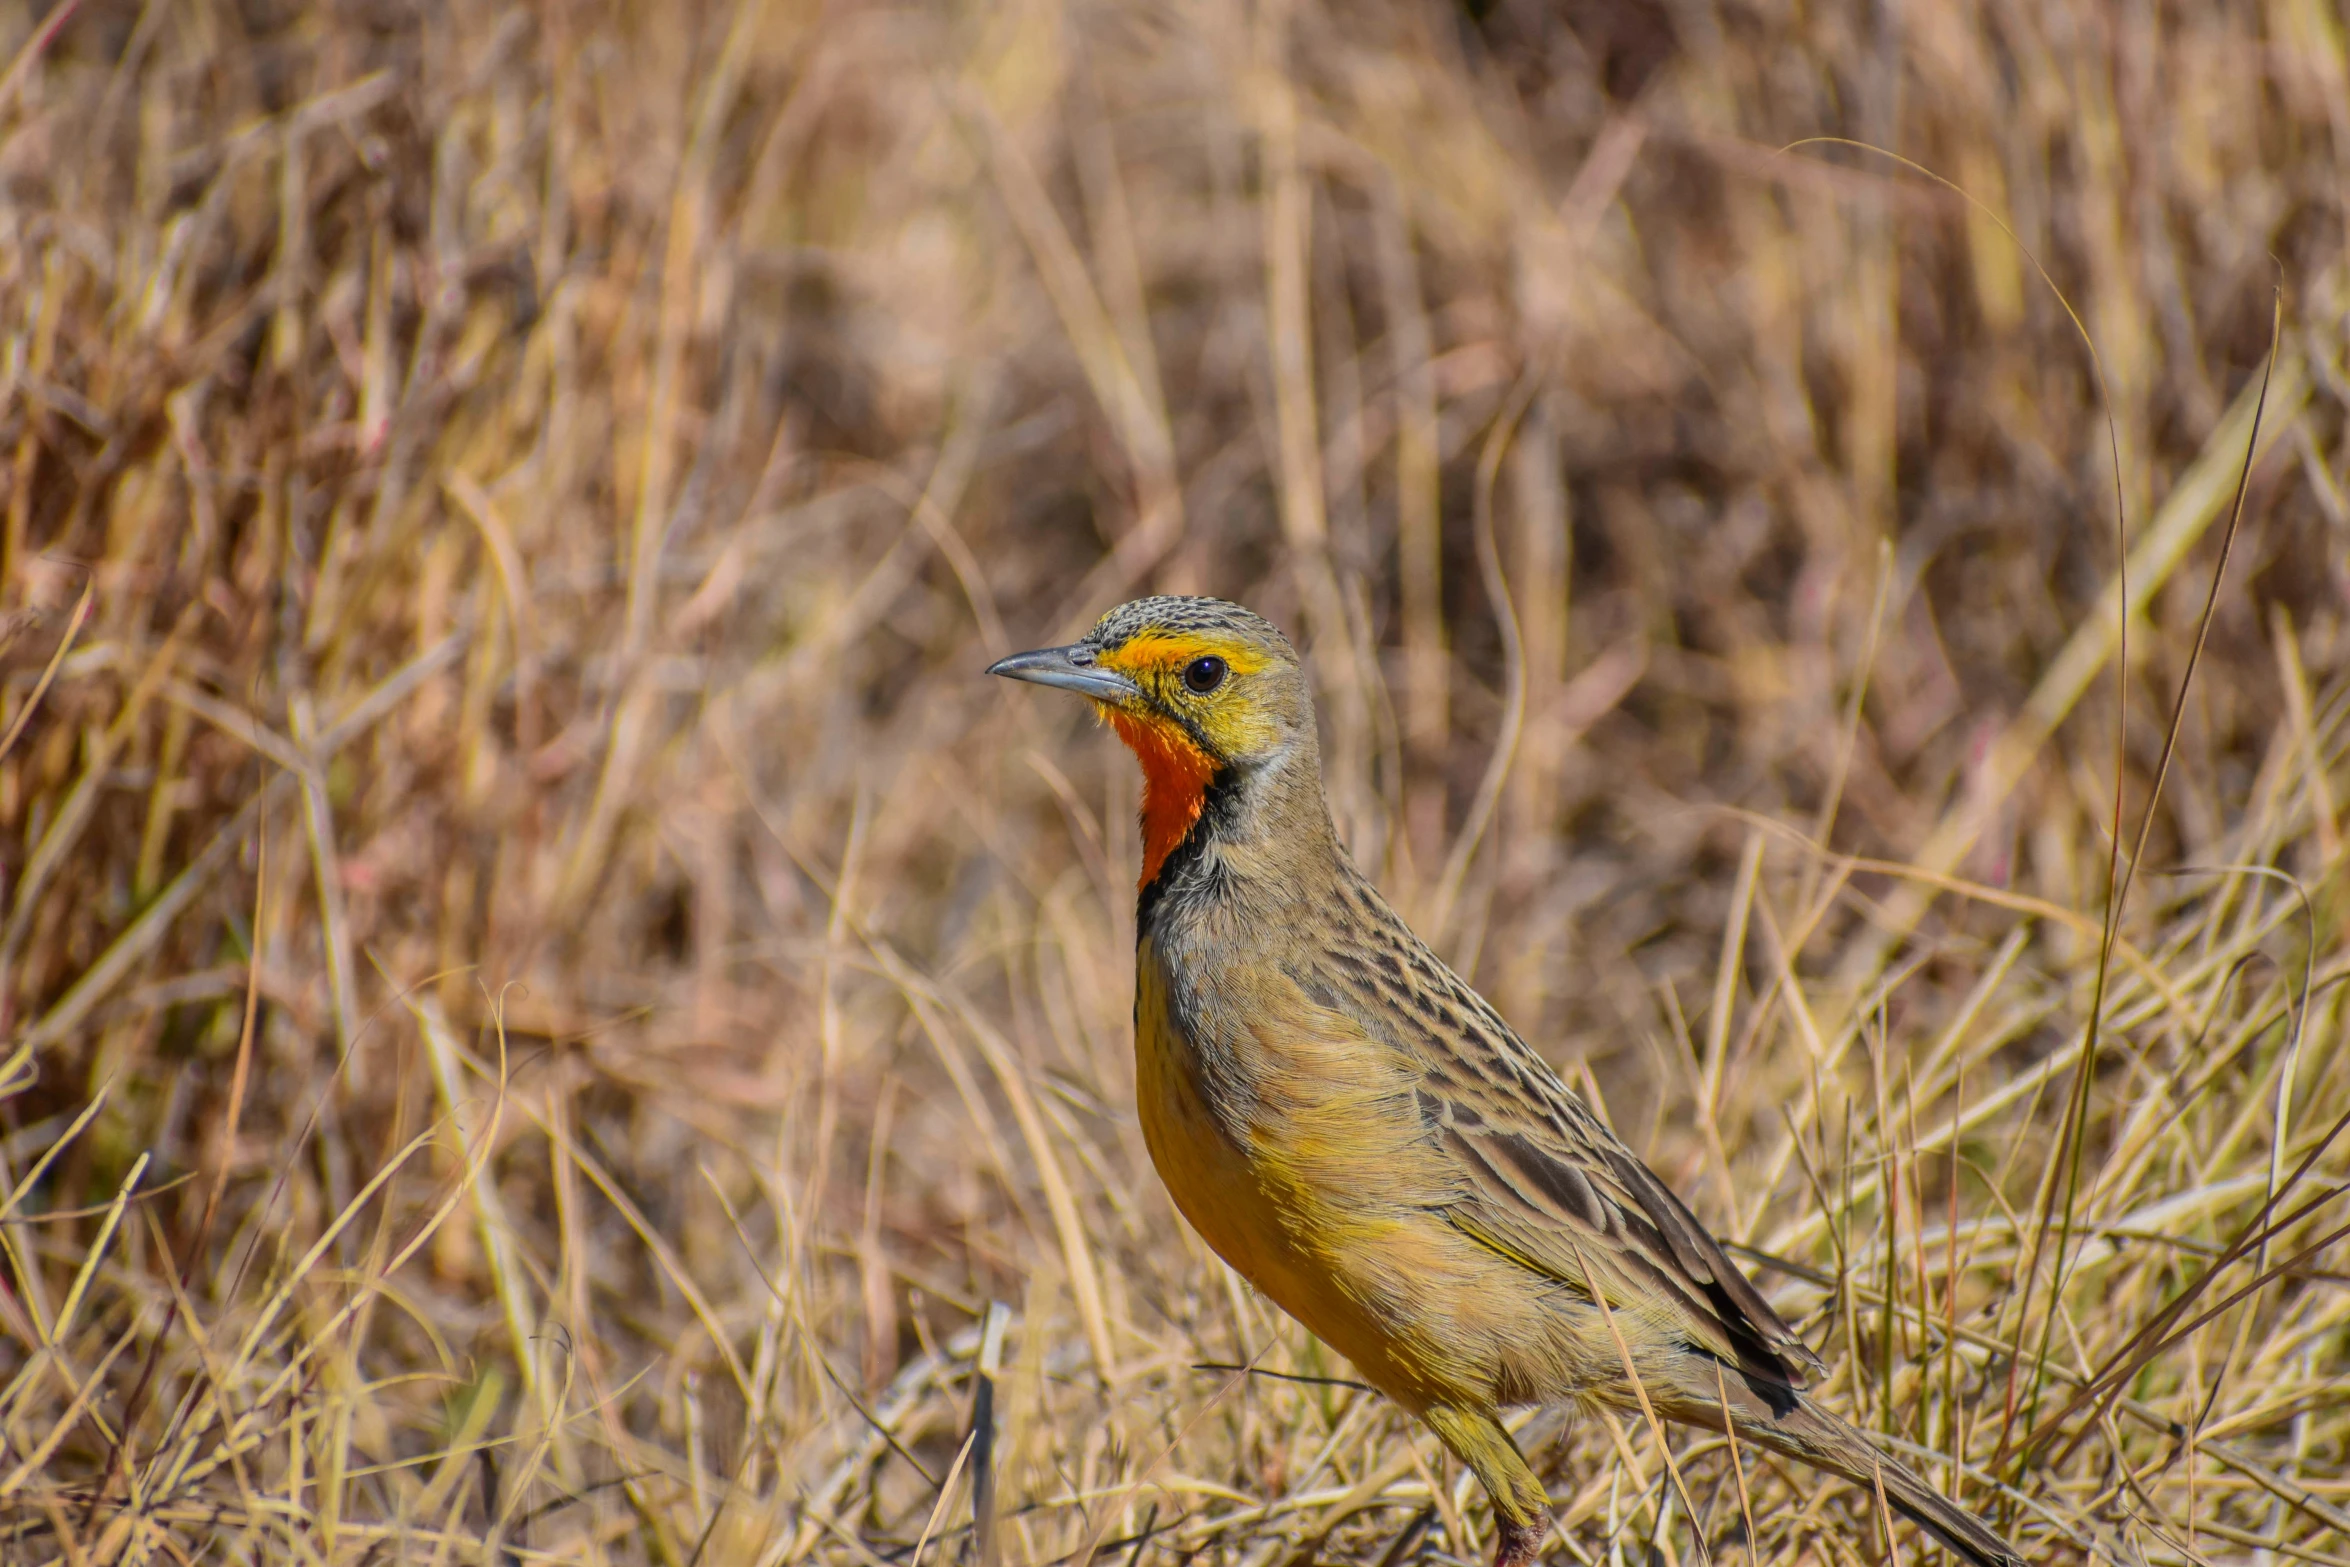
(1071, 668)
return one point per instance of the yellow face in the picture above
(1195, 687)
(1200, 688)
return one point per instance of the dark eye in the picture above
(1204, 674)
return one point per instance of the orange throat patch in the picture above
(1175, 778)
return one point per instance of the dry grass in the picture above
(546, 998)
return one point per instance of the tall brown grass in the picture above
(553, 1015)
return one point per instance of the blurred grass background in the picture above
(545, 996)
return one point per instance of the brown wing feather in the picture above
(1541, 1180)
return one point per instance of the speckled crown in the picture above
(1173, 612)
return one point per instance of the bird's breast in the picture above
(1289, 1157)
(1195, 1123)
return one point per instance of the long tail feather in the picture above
(1825, 1441)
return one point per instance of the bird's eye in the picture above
(1204, 674)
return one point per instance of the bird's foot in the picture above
(1519, 1542)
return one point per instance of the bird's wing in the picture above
(1536, 1176)
(1558, 1195)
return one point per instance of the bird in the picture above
(1362, 1137)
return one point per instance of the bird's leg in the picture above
(1521, 1512)
(1518, 1541)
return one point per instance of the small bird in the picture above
(1362, 1137)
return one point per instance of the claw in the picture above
(1519, 1542)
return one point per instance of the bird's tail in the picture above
(1826, 1441)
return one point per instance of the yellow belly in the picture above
(1213, 1181)
(1309, 1214)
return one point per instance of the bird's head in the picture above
(1199, 689)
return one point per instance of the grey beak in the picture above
(1070, 668)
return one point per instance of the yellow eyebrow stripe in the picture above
(1160, 650)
